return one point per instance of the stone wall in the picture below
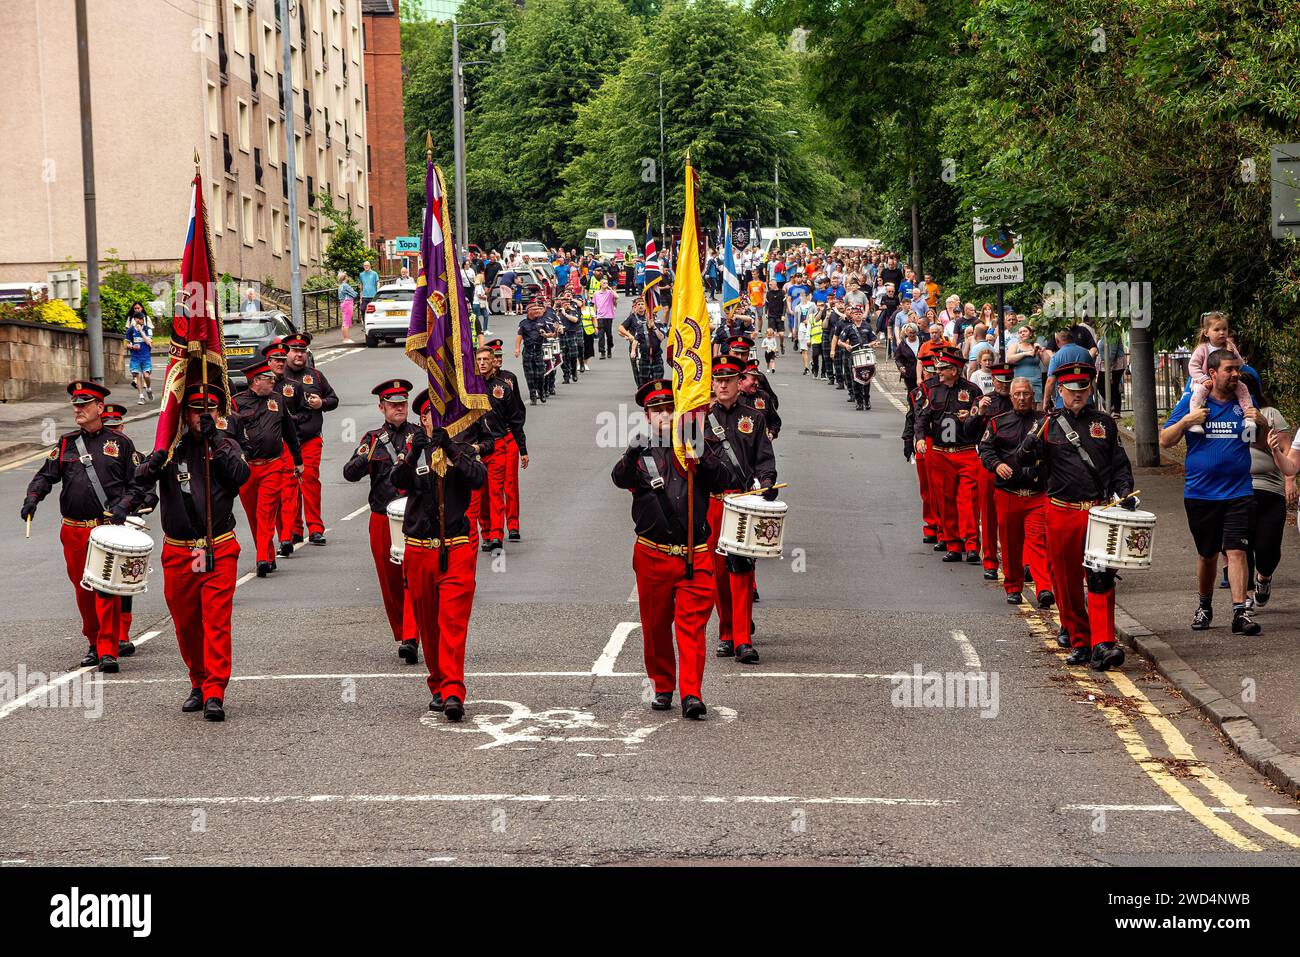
(35, 358)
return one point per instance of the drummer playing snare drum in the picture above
(97, 468)
(1084, 465)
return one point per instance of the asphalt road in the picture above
(329, 756)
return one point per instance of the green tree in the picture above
(346, 249)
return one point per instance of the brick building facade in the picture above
(386, 148)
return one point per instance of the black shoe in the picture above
(663, 700)
(296, 539)
(513, 534)
(1242, 624)
(840, 386)
(1029, 576)
(454, 708)
(756, 599)
(125, 649)
(972, 558)
(1014, 598)
(952, 557)
(194, 702)
(1079, 656)
(1063, 638)
(990, 574)
(928, 539)
(91, 659)
(213, 710)
(532, 400)
(1201, 620)
(866, 407)
(317, 538)
(486, 546)
(543, 400)
(1046, 599)
(1105, 656)
(409, 651)
(861, 407)
(726, 649)
(492, 545)
(286, 549)
(108, 664)
(436, 703)
(940, 545)
(1263, 591)
(263, 569)
(693, 708)
(747, 654)
(274, 565)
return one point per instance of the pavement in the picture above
(902, 712)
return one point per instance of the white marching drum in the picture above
(1118, 538)
(863, 356)
(117, 559)
(551, 349)
(396, 539)
(751, 527)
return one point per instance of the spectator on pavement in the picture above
(1273, 492)
(1067, 351)
(1218, 494)
(369, 280)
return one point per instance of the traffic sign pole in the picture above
(1002, 329)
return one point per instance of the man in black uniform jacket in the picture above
(266, 428)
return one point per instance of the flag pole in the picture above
(209, 554)
(442, 510)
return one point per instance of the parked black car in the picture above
(244, 334)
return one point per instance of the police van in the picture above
(783, 237)
(604, 243)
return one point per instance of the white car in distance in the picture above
(388, 315)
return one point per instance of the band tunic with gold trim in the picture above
(268, 426)
(114, 459)
(371, 458)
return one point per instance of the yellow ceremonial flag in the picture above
(688, 334)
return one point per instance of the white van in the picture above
(528, 251)
(857, 244)
(784, 237)
(604, 243)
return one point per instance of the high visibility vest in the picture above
(815, 331)
(589, 320)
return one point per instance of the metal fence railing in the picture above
(320, 307)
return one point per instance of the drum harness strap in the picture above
(88, 463)
(1073, 438)
(665, 505)
(388, 446)
(721, 433)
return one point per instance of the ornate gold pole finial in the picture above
(196, 159)
(428, 146)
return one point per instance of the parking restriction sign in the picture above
(998, 259)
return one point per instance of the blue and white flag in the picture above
(730, 283)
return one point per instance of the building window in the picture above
(242, 112)
(297, 156)
(269, 54)
(230, 211)
(295, 59)
(372, 219)
(277, 232)
(261, 222)
(366, 89)
(216, 208)
(302, 235)
(246, 220)
(241, 28)
(214, 110)
(272, 142)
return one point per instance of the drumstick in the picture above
(29, 526)
(759, 491)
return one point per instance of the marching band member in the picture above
(942, 426)
(671, 604)
(199, 598)
(742, 433)
(1018, 489)
(146, 503)
(930, 523)
(570, 337)
(516, 449)
(848, 336)
(645, 344)
(96, 466)
(533, 329)
(312, 396)
(276, 354)
(735, 324)
(505, 423)
(756, 390)
(440, 563)
(1085, 465)
(269, 433)
(993, 404)
(375, 458)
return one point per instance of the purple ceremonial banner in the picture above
(440, 337)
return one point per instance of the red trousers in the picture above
(261, 498)
(1022, 532)
(397, 603)
(301, 494)
(200, 603)
(929, 513)
(673, 604)
(1091, 623)
(734, 593)
(958, 488)
(492, 504)
(101, 614)
(512, 482)
(988, 517)
(442, 602)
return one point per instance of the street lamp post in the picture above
(776, 180)
(458, 117)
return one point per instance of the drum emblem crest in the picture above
(133, 569)
(110, 448)
(745, 424)
(1097, 430)
(1138, 542)
(498, 392)
(767, 531)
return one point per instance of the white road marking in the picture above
(16, 860)
(243, 578)
(605, 663)
(634, 598)
(439, 860)
(336, 354)
(22, 700)
(1165, 808)
(900, 406)
(265, 799)
(18, 463)
(711, 675)
(968, 653)
(157, 857)
(351, 515)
